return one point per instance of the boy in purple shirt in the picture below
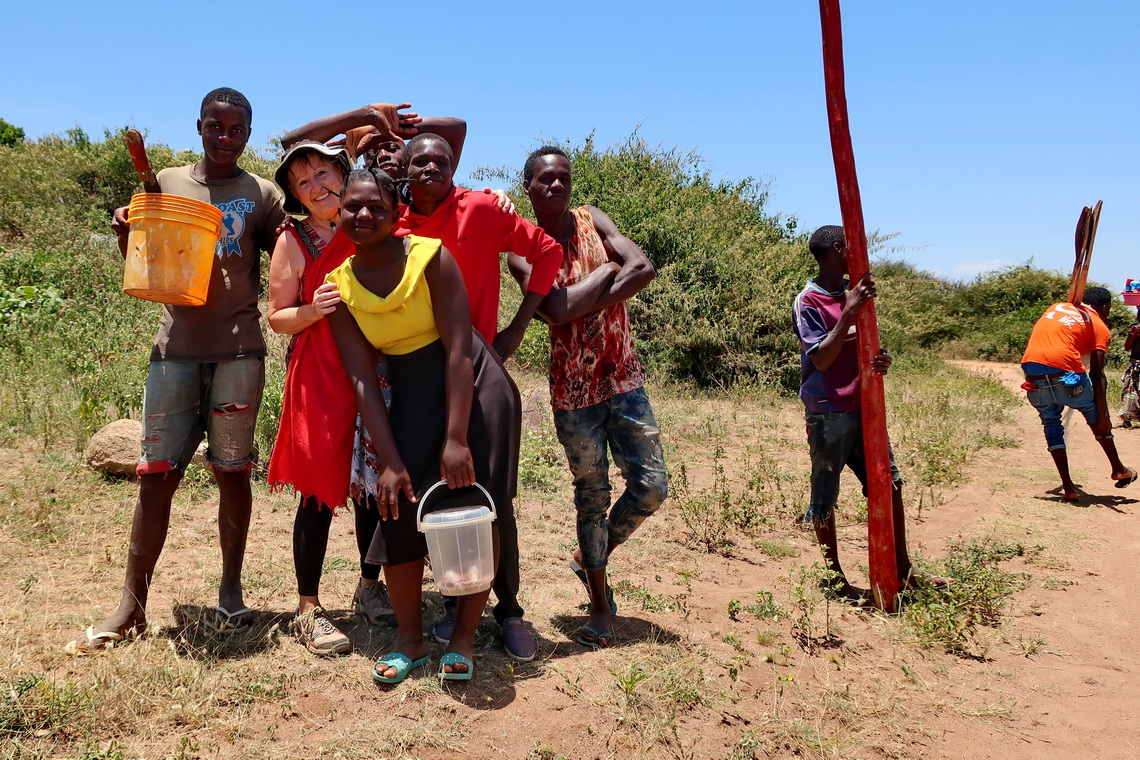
(824, 319)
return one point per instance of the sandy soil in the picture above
(694, 674)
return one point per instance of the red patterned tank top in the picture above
(592, 359)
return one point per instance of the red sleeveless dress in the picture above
(313, 452)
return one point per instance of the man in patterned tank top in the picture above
(596, 382)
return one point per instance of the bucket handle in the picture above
(423, 500)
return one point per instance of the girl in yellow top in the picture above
(450, 396)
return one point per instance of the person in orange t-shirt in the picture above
(1056, 377)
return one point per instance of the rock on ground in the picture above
(114, 450)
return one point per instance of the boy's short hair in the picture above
(421, 138)
(824, 239)
(229, 96)
(1097, 297)
(545, 150)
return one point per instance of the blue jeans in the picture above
(624, 425)
(185, 401)
(1050, 400)
(835, 439)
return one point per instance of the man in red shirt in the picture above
(1056, 378)
(476, 231)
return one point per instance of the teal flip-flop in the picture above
(596, 639)
(401, 663)
(454, 658)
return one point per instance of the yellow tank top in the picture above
(403, 321)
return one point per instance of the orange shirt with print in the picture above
(1064, 334)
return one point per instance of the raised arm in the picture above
(359, 361)
(286, 313)
(452, 130)
(453, 322)
(1133, 331)
(381, 117)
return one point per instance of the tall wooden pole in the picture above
(880, 522)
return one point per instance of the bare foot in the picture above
(1125, 478)
(413, 650)
(467, 651)
(107, 634)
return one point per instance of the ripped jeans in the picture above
(185, 402)
(626, 427)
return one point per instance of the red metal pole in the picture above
(880, 521)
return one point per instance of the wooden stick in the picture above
(141, 162)
(880, 520)
(1085, 236)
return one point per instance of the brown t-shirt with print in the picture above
(228, 325)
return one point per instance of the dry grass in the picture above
(706, 663)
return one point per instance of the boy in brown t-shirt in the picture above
(206, 374)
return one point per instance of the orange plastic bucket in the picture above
(170, 251)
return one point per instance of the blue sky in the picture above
(980, 129)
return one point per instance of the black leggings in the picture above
(311, 541)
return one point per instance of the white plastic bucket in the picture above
(460, 544)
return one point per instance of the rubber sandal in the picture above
(454, 658)
(578, 571)
(596, 639)
(1127, 481)
(401, 663)
(224, 620)
(113, 639)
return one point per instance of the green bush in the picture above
(727, 269)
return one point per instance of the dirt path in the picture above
(1079, 694)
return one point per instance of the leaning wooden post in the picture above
(880, 522)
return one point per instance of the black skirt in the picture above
(419, 424)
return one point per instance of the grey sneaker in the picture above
(373, 604)
(319, 635)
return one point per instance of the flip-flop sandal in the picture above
(1129, 480)
(454, 658)
(594, 639)
(77, 648)
(401, 663)
(231, 622)
(578, 571)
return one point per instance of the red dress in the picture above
(313, 452)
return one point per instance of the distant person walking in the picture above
(1055, 378)
(1130, 397)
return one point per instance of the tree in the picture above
(10, 134)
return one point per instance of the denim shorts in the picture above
(185, 402)
(835, 439)
(1050, 399)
